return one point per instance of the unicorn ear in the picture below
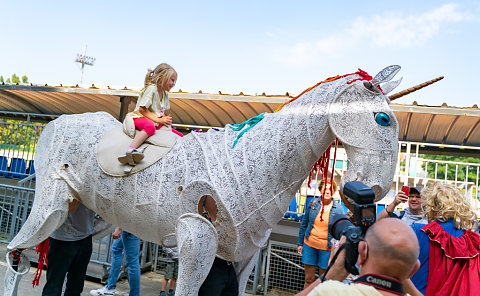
(389, 86)
(386, 74)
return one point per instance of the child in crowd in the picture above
(149, 114)
(171, 272)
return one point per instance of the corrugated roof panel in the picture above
(217, 114)
(186, 114)
(431, 124)
(440, 126)
(473, 136)
(12, 102)
(235, 110)
(458, 130)
(418, 124)
(203, 115)
(402, 118)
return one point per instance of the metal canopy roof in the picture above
(424, 124)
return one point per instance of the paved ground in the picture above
(150, 281)
(149, 286)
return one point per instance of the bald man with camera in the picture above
(387, 257)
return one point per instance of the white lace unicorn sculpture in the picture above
(252, 184)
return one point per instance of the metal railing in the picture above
(415, 169)
(15, 205)
(283, 270)
(18, 143)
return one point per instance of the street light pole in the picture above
(84, 60)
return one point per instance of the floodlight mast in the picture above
(84, 60)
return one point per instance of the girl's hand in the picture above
(165, 120)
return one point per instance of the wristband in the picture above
(389, 213)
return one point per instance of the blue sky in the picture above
(249, 46)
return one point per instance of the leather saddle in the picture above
(117, 140)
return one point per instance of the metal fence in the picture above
(284, 273)
(414, 169)
(18, 140)
(15, 205)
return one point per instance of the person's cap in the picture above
(417, 189)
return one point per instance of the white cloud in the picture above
(387, 30)
(397, 30)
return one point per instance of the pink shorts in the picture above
(145, 124)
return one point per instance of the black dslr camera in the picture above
(365, 215)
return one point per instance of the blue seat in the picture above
(18, 168)
(345, 209)
(4, 166)
(31, 167)
(292, 210)
(309, 200)
(380, 207)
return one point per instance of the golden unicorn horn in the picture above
(414, 88)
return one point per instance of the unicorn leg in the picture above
(197, 246)
(17, 265)
(244, 269)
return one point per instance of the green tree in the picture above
(17, 135)
(452, 169)
(15, 78)
(1, 79)
(24, 79)
(8, 80)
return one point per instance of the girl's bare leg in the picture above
(132, 156)
(140, 137)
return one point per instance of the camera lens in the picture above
(340, 223)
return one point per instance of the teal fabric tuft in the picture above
(251, 123)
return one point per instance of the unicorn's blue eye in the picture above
(383, 119)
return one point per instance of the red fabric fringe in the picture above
(360, 72)
(14, 254)
(42, 251)
(321, 167)
(364, 76)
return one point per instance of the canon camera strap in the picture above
(381, 283)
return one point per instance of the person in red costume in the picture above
(449, 250)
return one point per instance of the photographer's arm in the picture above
(337, 272)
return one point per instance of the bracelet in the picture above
(389, 213)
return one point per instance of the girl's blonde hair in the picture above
(162, 72)
(444, 201)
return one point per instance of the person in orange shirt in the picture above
(314, 241)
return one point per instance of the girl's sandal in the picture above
(132, 157)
